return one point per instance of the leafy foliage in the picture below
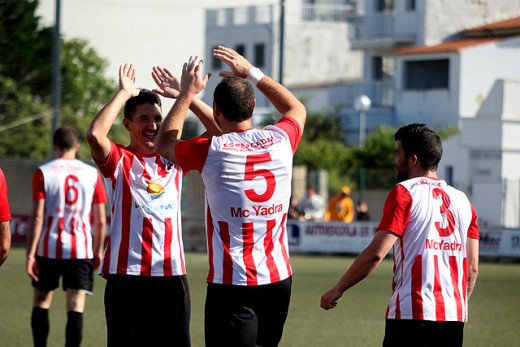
(25, 84)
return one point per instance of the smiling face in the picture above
(143, 127)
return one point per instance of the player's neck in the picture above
(228, 127)
(68, 155)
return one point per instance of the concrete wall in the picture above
(481, 66)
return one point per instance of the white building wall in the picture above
(319, 53)
(434, 107)
(481, 66)
(447, 17)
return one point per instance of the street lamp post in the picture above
(362, 104)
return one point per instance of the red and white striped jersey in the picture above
(247, 177)
(433, 221)
(145, 233)
(69, 188)
(5, 213)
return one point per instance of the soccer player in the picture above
(247, 177)
(5, 217)
(434, 233)
(59, 242)
(147, 300)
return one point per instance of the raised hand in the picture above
(127, 75)
(168, 85)
(239, 65)
(192, 80)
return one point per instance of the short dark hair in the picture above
(420, 140)
(65, 138)
(235, 98)
(145, 96)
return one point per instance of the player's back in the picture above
(247, 177)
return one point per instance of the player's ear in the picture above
(126, 122)
(413, 160)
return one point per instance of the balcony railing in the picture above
(326, 13)
(384, 25)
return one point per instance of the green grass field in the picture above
(357, 321)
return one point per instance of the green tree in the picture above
(25, 84)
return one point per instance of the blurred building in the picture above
(443, 63)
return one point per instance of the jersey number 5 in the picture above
(250, 174)
(450, 228)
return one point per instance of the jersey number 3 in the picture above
(250, 174)
(450, 228)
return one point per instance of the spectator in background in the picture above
(362, 211)
(5, 217)
(311, 206)
(341, 207)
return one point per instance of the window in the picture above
(410, 5)
(382, 68)
(377, 68)
(241, 49)
(259, 55)
(384, 5)
(426, 74)
(215, 63)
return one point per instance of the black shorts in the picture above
(147, 311)
(246, 315)
(422, 333)
(77, 274)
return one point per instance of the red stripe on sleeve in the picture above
(248, 246)
(227, 262)
(269, 246)
(126, 202)
(146, 249)
(192, 154)
(440, 309)
(38, 185)
(454, 270)
(73, 251)
(417, 302)
(396, 211)
(100, 196)
(167, 265)
(473, 228)
(209, 238)
(292, 129)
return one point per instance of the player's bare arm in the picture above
(363, 266)
(169, 86)
(472, 261)
(98, 212)
(192, 82)
(281, 98)
(101, 124)
(5, 240)
(33, 235)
